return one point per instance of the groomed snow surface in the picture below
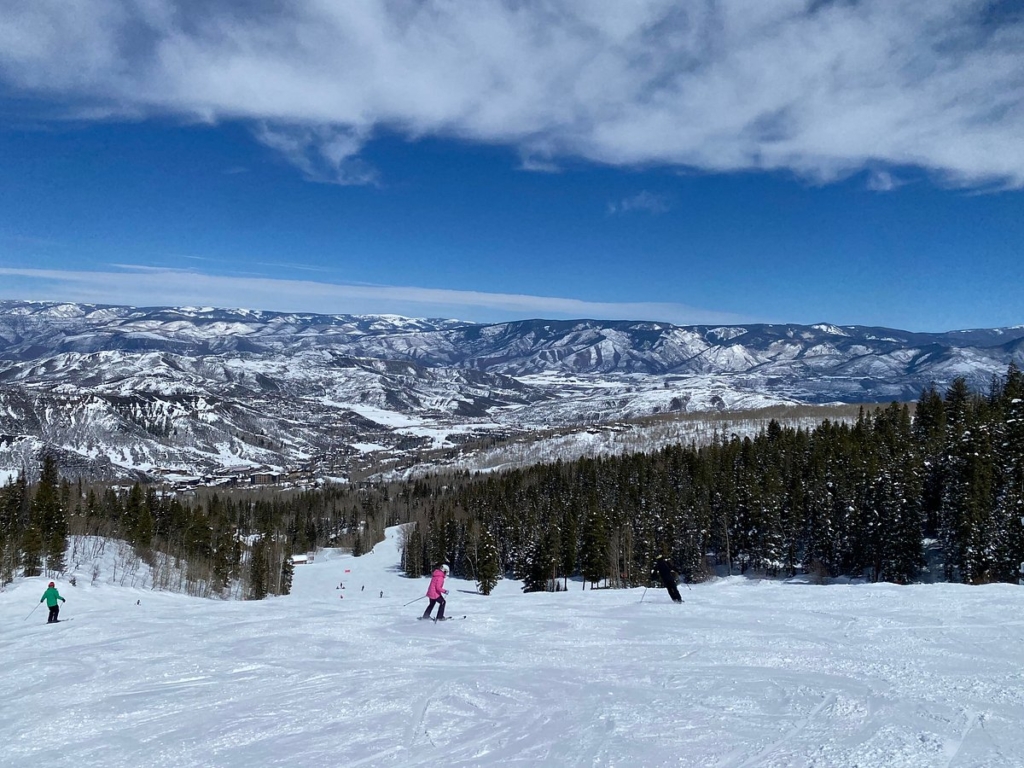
(745, 673)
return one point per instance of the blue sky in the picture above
(713, 162)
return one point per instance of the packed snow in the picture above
(745, 673)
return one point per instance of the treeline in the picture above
(859, 499)
(235, 544)
(864, 498)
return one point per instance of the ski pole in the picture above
(32, 611)
(643, 595)
(414, 601)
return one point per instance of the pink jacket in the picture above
(436, 588)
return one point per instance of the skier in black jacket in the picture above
(663, 570)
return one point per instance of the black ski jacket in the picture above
(663, 570)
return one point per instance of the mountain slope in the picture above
(190, 391)
(745, 673)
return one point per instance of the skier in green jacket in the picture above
(51, 596)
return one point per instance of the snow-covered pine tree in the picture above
(49, 516)
(258, 572)
(287, 572)
(32, 548)
(413, 564)
(1007, 528)
(929, 428)
(898, 552)
(12, 500)
(594, 551)
(488, 566)
(965, 514)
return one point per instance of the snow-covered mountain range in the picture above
(189, 391)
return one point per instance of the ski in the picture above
(449, 618)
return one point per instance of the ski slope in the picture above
(746, 673)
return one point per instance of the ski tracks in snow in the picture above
(787, 739)
(766, 676)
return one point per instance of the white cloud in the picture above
(820, 87)
(146, 286)
(324, 154)
(538, 164)
(883, 181)
(642, 201)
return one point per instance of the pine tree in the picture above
(968, 490)
(767, 511)
(594, 552)
(413, 564)
(224, 556)
(133, 513)
(143, 534)
(13, 503)
(568, 548)
(895, 497)
(287, 572)
(542, 573)
(930, 438)
(537, 571)
(55, 548)
(259, 572)
(32, 552)
(823, 482)
(717, 470)
(50, 516)
(488, 568)
(1008, 528)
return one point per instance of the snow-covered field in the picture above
(746, 673)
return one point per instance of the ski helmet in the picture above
(444, 568)
(52, 584)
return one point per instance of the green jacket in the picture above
(51, 596)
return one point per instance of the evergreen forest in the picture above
(898, 495)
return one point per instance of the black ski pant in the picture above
(440, 610)
(673, 591)
(54, 610)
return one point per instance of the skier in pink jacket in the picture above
(436, 592)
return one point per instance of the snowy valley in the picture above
(187, 394)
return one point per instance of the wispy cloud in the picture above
(294, 266)
(148, 286)
(824, 88)
(642, 201)
(30, 241)
(883, 181)
(538, 164)
(147, 268)
(325, 154)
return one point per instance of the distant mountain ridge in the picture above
(124, 389)
(29, 329)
